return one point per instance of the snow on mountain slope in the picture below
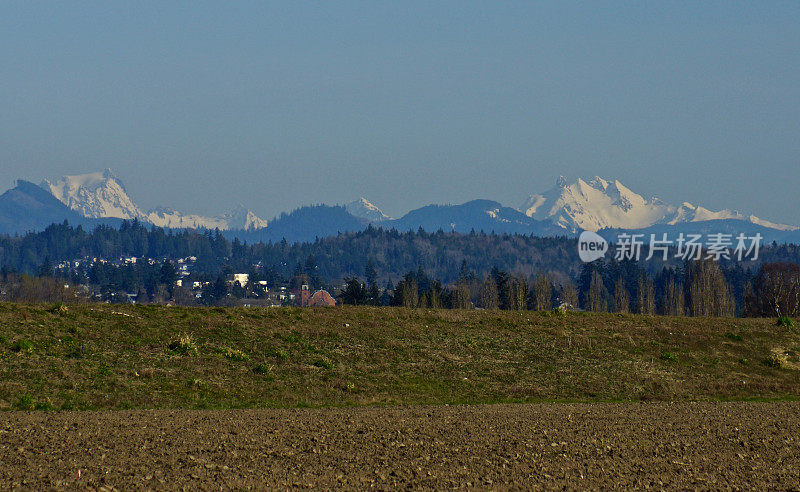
(595, 205)
(239, 218)
(243, 219)
(363, 209)
(95, 195)
(772, 225)
(689, 213)
(166, 217)
(102, 195)
(601, 204)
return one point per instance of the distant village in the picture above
(239, 288)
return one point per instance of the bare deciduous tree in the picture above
(542, 293)
(707, 291)
(488, 297)
(597, 295)
(775, 291)
(461, 297)
(622, 298)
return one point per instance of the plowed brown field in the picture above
(577, 446)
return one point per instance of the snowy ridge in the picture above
(243, 219)
(601, 204)
(95, 195)
(165, 217)
(363, 209)
(571, 207)
(102, 195)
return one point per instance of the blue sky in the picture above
(200, 106)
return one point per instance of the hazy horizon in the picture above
(198, 107)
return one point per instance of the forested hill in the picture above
(442, 255)
(393, 253)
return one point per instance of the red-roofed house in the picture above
(321, 298)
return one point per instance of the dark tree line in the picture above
(414, 269)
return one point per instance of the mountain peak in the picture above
(243, 218)
(599, 183)
(601, 203)
(364, 209)
(94, 195)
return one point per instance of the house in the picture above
(321, 298)
(242, 278)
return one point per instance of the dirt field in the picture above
(661, 445)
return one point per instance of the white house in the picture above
(242, 278)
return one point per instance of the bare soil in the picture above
(520, 446)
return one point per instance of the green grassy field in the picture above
(110, 356)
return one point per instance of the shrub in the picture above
(323, 363)
(670, 356)
(772, 361)
(235, 354)
(262, 369)
(733, 336)
(23, 346)
(75, 353)
(25, 402)
(196, 383)
(43, 405)
(59, 308)
(184, 345)
(785, 322)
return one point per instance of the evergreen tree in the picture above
(354, 292)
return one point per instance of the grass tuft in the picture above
(184, 345)
(235, 354)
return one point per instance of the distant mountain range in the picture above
(102, 195)
(564, 210)
(601, 204)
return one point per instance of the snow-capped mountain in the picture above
(242, 218)
(363, 209)
(102, 195)
(602, 204)
(564, 209)
(95, 195)
(167, 217)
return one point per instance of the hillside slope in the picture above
(101, 356)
